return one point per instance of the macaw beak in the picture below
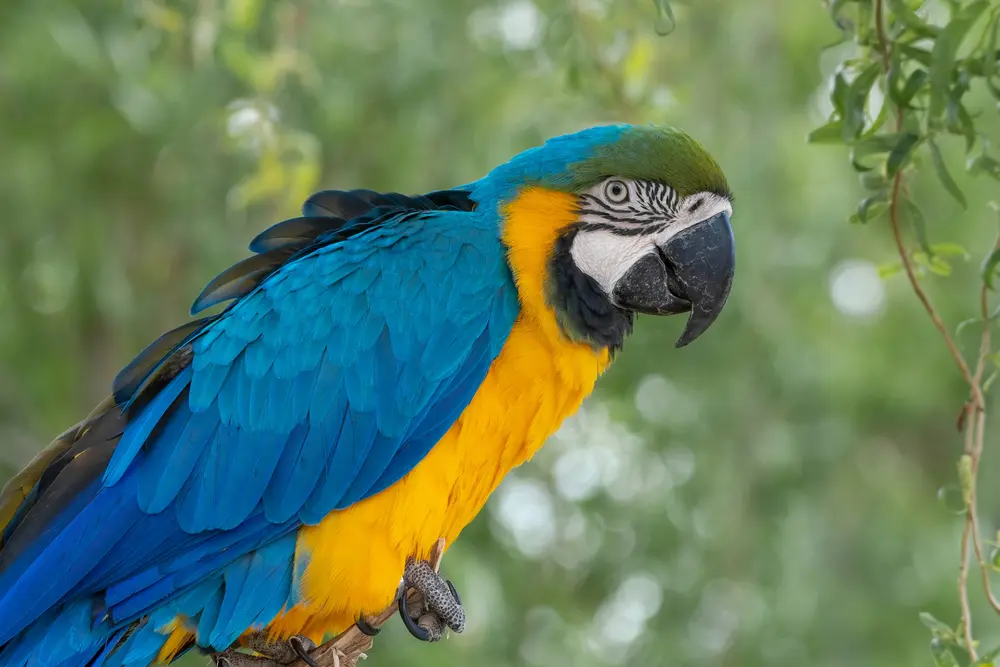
(691, 272)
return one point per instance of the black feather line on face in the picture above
(623, 231)
(651, 206)
(583, 310)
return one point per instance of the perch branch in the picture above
(350, 646)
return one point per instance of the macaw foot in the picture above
(441, 604)
(270, 654)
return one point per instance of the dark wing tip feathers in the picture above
(242, 278)
(132, 377)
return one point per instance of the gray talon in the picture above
(302, 646)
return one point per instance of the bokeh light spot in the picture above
(856, 289)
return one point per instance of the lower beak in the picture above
(692, 272)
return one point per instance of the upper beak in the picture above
(692, 272)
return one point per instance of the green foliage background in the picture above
(768, 496)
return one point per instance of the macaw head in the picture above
(630, 219)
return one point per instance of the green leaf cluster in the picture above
(911, 84)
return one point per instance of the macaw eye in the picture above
(615, 191)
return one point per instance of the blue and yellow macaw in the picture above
(263, 477)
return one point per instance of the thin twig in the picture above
(350, 646)
(984, 567)
(978, 427)
(897, 233)
(963, 587)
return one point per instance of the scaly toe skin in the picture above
(276, 652)
(442, 605)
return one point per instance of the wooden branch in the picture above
(350, 646)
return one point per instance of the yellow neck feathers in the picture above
(533, 223)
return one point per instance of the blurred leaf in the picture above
(960, 122)
(856, 99)
(879, 122)
(864, 28)
(831, 133)
(965, 324)
(164, 18)
(922, 56)
(989, 657)
(983, 163)
(204, 32)
(243, 15)
(989, 268)
(864, 149)
(636, 66)
(894, 73)
(889, 269)
(938, 628)
(901, 153)
(919, 224)
(872, 180)
(238, 59)
(991, 55)
(562, 27)
(945, 50)
(917, 80)
(909, 18)
(870, 208)
(665, 22)
(990, 379)
(932, 263)
(941, 169)
(947, 249)
(943, 657)
(836, 7)
(574, 77)
(838, 96)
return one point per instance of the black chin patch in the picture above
(584, 311)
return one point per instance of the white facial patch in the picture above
(606, 256)
(625, 220)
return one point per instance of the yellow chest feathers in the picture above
(356, 556)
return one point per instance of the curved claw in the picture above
(302, 650)
(454, 593)
(410, 624)
(366, 628)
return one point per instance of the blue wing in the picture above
(343, 361)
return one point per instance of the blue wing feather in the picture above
(322, 384)
(138, 431)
